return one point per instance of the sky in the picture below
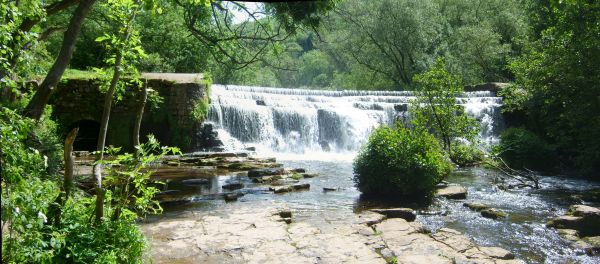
(240, 15)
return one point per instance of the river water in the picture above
(321, 131)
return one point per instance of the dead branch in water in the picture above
(526, 177)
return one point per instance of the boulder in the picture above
(329, 189)
(493, 213)
(231, 197)
(298, 170)
(584, 211)
(569, 234)
(594, 243)
(566, 222)
(497, 253)
(280, 189)
(250, 148)
(285, 213)
(265, 172)
(302, 186)
(260, 102)
(309, 175)
(476, 206)
(404, 213)
(585, 219)
(452, 192)
(233, 186)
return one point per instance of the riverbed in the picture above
(523, 232)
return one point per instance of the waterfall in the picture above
(303, 121)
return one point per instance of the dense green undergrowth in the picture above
(37, 227)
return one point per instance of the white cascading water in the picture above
(304, 121)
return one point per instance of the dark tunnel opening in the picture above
(87, 137)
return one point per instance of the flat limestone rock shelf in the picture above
(248, 235)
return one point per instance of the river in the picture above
(322, 131)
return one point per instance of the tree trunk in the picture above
(55, 209)
(36, 106)
(68, 179)
(102, 138)
(140, 114)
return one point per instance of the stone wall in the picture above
(171, 121)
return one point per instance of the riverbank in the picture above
(333, 209)
(238, 234)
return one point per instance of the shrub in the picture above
(521, 148)
(400, 162)
(466, 154)
(33, 233)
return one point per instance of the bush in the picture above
(400, 162)
(521, 148)
(466, 154)
(34, 231)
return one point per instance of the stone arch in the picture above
(87, 138)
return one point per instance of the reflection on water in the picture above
(523, 232)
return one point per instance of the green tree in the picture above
(435, 107)
(558, 81)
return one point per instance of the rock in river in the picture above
(233, 186)
(404, 213)
(476, 206)
(584, 219)
(452, 192)
(265, 172)
(493, 213)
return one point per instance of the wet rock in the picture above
(233, 186)
(493, 213)
(208, 137)
(169, 192)
(250, 148)
(476, 206)
(265, 172)
(329, 189)
(266, 179)
(303, 186)
(452, 192)
(584, 211)
(172, 163)
(594, 243)
(285, 213)
(260, 102)
(566, 222)
(280, 189)
(287, 220)
(231, 197)
(497, 253)
(309, 175)
(195, 181)
(401, 107)
(585, 219)
(298, 170)
(370, 218)
(569, 234)
(404, 213)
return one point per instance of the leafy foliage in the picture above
(521, 149)
(558, 81)
(28, 194)
(400, 162)
(466, 154)
(436, 110)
